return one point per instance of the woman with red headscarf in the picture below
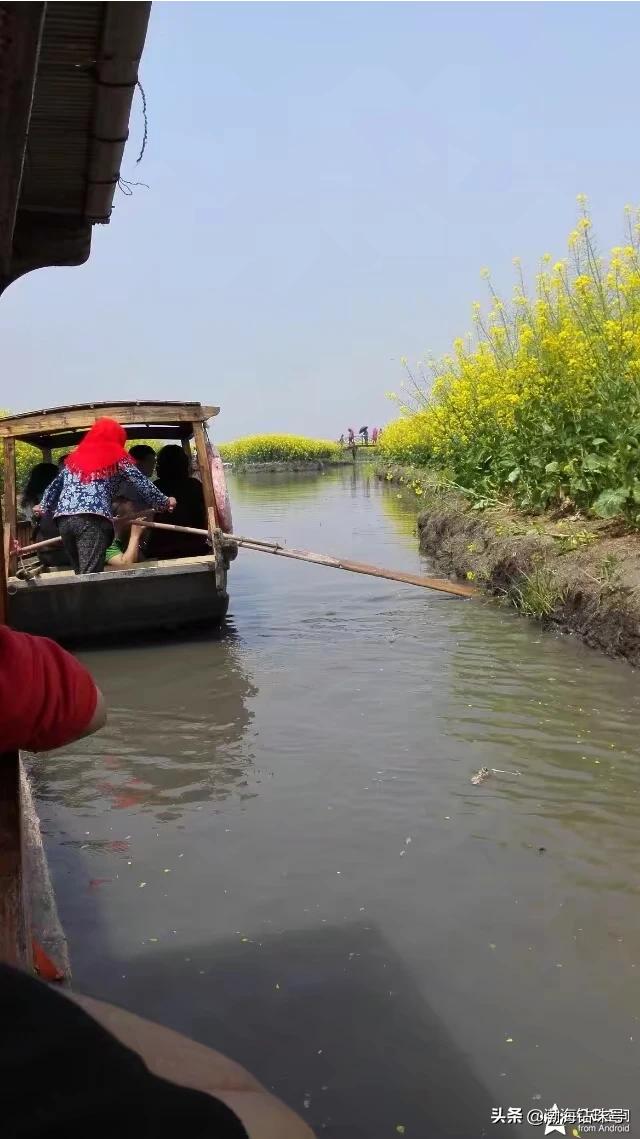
(81, 496)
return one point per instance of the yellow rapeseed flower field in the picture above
(544, 400)
(278, 448)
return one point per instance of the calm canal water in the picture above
(275, 845)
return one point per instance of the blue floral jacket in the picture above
(67, 494)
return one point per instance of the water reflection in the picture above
(178, 717)
(399, 507)
(275, 486)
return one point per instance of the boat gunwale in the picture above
(165, 567)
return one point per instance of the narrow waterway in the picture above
(275, 845)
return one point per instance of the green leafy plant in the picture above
(539, 594)
(542, 405)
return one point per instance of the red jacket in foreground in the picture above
(47, 698)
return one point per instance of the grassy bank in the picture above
(581, 576)
(541, 407)
(255, 449)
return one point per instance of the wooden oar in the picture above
(35, 546)
(456, 589)
(437, 583)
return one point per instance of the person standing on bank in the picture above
(81, 496)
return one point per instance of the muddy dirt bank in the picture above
(581, 575)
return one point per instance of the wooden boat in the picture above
(152, 595)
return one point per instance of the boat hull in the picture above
(152, 597)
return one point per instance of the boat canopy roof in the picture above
(62, 426)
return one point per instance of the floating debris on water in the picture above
(486, 772)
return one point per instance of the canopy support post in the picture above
(204, 463)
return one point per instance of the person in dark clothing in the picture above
(144, 457)
(72, 1066)
(44, 527)
(41, 476)
(174, 481)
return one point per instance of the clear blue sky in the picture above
(326, 181)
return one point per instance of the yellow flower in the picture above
(534, 365)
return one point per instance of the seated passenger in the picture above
(128, 545)
(144, 457)
(173, 471)
(123, 553)
(44, 527)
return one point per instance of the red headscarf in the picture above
(101, 451)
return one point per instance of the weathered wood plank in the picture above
(41, 423)
(70, 437)
(15, 948)
(10, 505)
(15, 944)
(203, 451)
(204, 467)
(42, 911)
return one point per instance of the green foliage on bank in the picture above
(278, 448)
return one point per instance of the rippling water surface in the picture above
(275, 845)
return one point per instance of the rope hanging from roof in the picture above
(146, 122)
